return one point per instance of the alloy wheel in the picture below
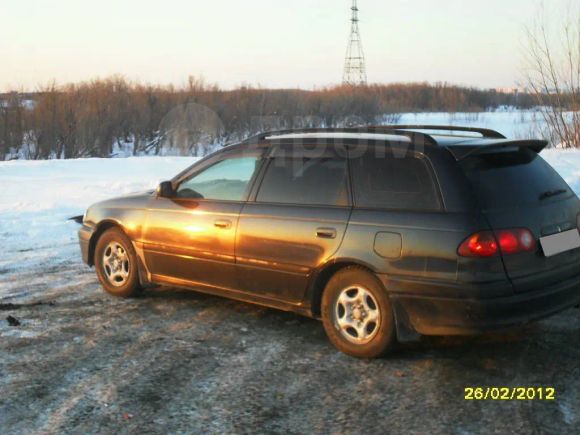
(357, 315)
(116, 264)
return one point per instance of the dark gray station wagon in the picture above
(385, 233)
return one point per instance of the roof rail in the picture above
(414, 136)
(485, 132)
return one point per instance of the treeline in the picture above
(93, 119)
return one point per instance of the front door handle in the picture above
(326, 233)
(223, 223)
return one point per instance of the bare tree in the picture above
(553, 75)
(94, 118)
(11, 123)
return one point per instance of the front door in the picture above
(189, 238)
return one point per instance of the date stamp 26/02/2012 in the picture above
(510, 393)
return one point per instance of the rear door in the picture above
(518, 189)
(297, 221)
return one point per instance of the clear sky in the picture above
(273, 43)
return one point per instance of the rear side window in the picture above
(306, 181)
(513, 179)
(391, 182)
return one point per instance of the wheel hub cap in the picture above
(357, 315)
(116, 264)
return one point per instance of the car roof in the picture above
(460, 141)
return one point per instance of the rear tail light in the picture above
(490, 244)
(482, 244)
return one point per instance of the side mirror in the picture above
(165, 189)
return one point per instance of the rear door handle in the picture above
(326, 233)
(223, 223)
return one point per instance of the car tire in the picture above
(357, 314)
(116, 264)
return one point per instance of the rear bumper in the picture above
(85, 234)
(433, 315)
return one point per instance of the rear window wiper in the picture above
(550, 193)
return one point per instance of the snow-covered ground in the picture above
(81, 361)
(37, 197)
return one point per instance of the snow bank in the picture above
(38, 185)
(37, 197)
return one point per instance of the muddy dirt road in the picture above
(172, 361)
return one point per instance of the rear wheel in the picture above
(116, 263)
(357, 314)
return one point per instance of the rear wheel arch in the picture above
(323, 276)
(357, 313)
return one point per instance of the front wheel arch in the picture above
(101, 228)
(125, 264)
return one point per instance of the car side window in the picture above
(305, 181)
(391, 182)
(227, 180)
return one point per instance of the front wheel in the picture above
(116, 263)
(357, 314)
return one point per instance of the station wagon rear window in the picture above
(509, 180)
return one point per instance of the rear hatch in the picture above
(516, 188)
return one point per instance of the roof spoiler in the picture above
(461, 152)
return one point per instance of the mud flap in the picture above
(405, 331)
(144, 280)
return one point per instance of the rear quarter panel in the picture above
(429, 240)
(429, 243)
